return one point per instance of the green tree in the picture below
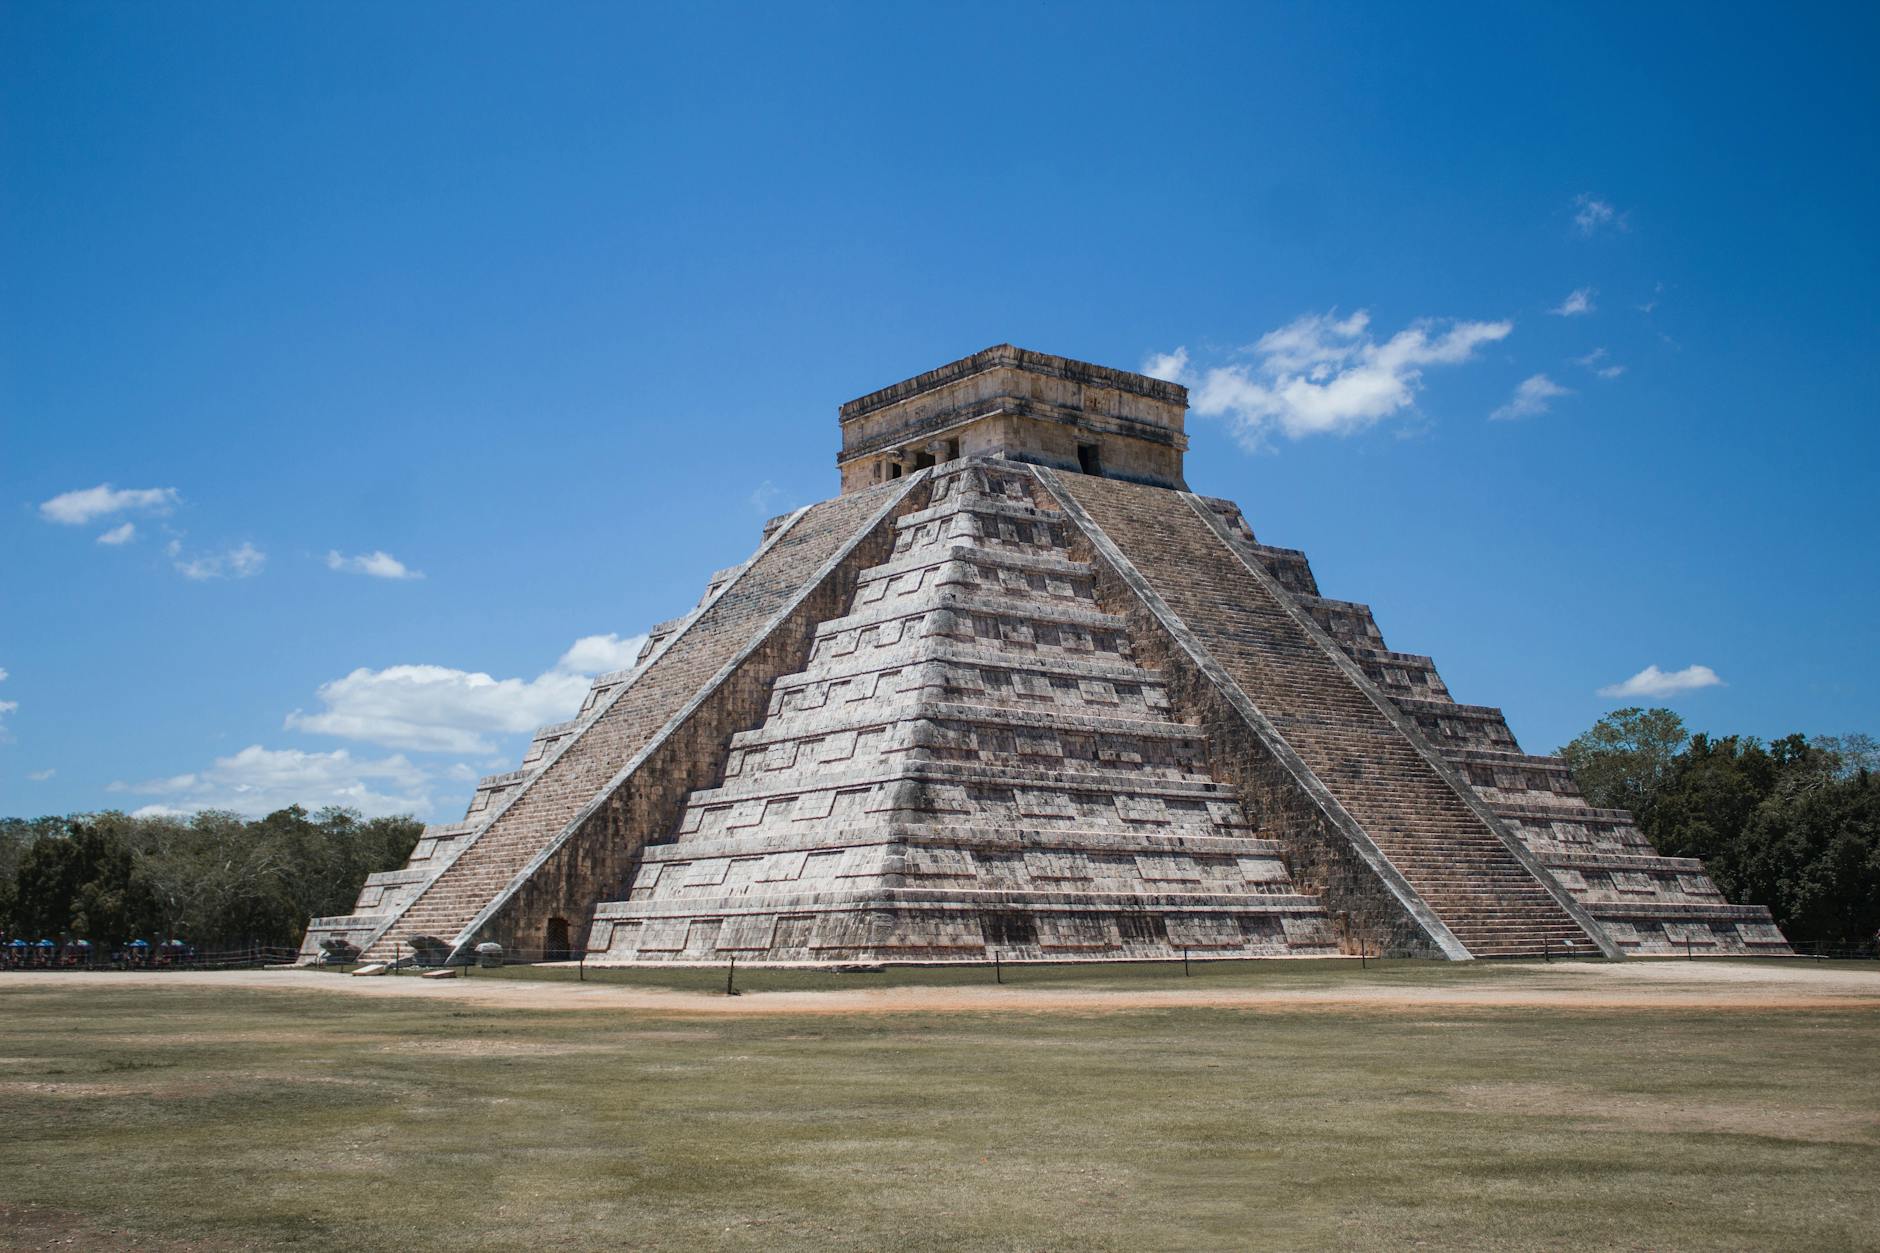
(1715, 788)
(1625, 759)
(1793, 824)
(1852, 753)
(212, 878)
(217, 880)
(17, 835)
(1814, 853)
(82, 883)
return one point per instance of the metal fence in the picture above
(1869, 951)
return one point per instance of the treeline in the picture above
(213, 879)
(1793, 824)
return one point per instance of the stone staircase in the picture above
(1451, 857)
(1641, 901)
(575, 776)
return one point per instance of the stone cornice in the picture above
(1007, 356)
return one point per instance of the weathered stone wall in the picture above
(1023, 406)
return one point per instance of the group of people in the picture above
(18, 953)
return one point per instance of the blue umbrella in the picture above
(19, 944)
(140, 943)
(45, 944)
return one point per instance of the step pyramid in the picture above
(1016, 692)
(969, 760)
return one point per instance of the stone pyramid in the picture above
(1017, 691)
(970, 756)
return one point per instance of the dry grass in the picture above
(144, 1115)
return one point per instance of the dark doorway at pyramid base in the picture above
(555, 944)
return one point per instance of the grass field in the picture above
(181, 1116)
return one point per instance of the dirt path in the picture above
(1564, 985)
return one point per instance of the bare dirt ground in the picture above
(1563, 985)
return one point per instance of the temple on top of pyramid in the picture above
(1017, 692)
(1020, 406)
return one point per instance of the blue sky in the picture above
(553, 305)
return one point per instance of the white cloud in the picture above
(438, 709)
(236, 563)
(1597, 363)
(40, 776)
(3, 674)
(429, 708)
(1319, 375)
(246, 560)
(597, 654)
(1171, 367)
(1533, 396)
(1592, 215)
(764, 498)
(6, 707)
(1579, 302)
(79, 507)
(377, 564)
(1651, 681)
(119, 534)
(260, 780)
